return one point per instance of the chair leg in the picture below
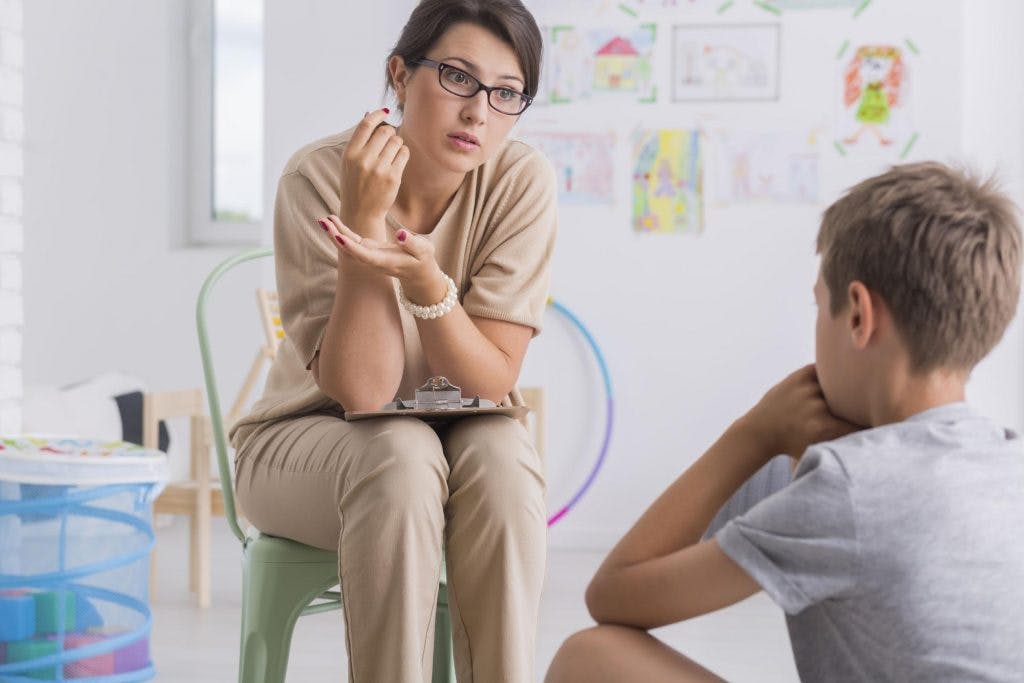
(201, 553)
(444, 661)
(200, 564)
(274, 594)
(193, 552)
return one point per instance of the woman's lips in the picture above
(463, 144)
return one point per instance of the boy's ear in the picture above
(399, 76)
(862, 314)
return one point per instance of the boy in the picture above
(896, 550)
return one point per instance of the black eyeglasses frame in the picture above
(441, 66)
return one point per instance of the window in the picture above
(225, 168)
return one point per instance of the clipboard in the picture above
(438, 400)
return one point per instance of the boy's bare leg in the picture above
(607, 654)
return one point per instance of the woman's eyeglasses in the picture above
(502, 99)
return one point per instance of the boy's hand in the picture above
(793, 414)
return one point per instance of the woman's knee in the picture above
(494, 454)
(401, 465)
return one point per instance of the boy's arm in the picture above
(660, 572)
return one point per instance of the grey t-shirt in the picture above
(897, 552)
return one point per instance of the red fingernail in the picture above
(386, 110)
(401, 235)
(323, 224)
(340, 241)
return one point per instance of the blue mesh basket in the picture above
(75, 538)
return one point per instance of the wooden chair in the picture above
(198, 497)
(270, 316)
(534, 397)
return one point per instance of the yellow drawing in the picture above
(668, 181)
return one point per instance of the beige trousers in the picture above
(385, 493)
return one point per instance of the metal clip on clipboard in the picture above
(439, 394)
(439, 400)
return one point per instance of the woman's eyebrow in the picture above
(473, 67)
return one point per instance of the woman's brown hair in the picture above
(509, 20)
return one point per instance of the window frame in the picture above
(202, 228)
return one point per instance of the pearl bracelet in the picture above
(436, 310)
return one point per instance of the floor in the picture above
(747, 642)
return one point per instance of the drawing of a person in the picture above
(873, 81)
(666, 181)
(741, 176)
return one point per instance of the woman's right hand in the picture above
(374, 160)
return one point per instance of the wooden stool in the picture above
(198, 497)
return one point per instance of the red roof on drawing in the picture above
(617, 46)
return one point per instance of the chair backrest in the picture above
(209, 375)
(270, 314)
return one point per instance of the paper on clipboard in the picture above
(438, 400)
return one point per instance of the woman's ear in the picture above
(861, 315)
(399, 76)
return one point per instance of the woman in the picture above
(371, 226)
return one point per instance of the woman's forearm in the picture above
(362, 355)
(481, 357)
(455, 347)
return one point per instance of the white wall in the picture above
(107, 288)
(993, 141)
(11, 231)
(324, 69)
(693, 328)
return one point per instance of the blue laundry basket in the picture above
(75, 539)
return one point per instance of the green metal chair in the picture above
(282, 579)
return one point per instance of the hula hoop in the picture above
(609, 410)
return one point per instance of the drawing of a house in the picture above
(615, 66)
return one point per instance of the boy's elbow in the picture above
(590, 597)
(610, 602)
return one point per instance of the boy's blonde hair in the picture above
(943, 250)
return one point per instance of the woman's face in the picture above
(457, 133)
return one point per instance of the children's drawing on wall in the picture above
(583, 164)
(650, 7)
(621, 8)
(585, 64)
(752, 167)
(875, 97)
(573, 8)
(668, 181)
(818, 4)
(725, 62)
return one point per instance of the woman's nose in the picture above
(475, 107)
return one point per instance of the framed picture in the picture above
(721, 62)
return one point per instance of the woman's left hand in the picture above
(410, 259)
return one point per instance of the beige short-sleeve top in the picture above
(495, 240)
